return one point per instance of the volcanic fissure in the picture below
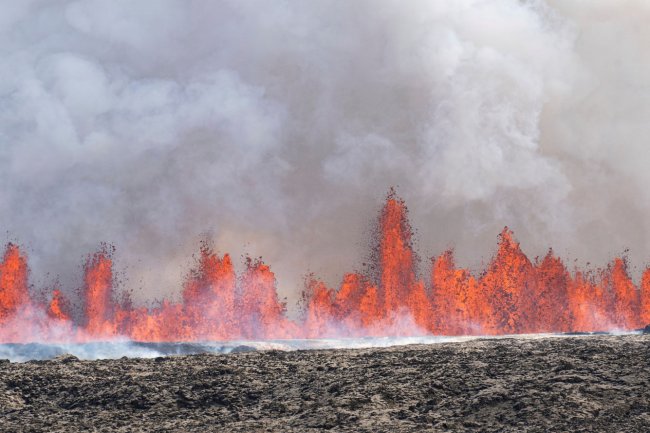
(512, 295)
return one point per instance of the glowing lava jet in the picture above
(513, 295)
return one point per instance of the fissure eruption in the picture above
(512, 295)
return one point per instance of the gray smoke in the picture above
(276, 129)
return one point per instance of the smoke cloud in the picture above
(276, 128)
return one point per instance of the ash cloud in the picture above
(276, 128)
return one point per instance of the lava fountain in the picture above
(512, 295)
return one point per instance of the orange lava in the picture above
(13, 282)
(58, 308)
(99, 306)
(513, 295)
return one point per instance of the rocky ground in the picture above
(596, 384)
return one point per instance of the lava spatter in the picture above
(513, 295)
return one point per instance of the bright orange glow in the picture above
(58, 308)
(13, 283)
(455, 297)
(551, 302)
(513, 295)
(624, 302)
(260, 306)
(396, 259)
(209, 298)
(319, 309)
(99, 303)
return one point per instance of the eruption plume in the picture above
(513, 295)
(142, 122)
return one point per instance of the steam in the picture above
(275, 129)
(124, 348)
(118, 348)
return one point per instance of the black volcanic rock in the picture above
(646, 330)
(66, 358)
(242, 348)
(577, 384)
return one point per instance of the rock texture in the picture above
(595, 384)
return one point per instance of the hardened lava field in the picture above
(595, 383)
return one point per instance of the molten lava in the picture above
(98, 290)
(58, 308)
(513, 295)
(209, 297)
(13, 283)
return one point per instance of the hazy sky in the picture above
(275, 128)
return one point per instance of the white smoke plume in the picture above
(276, 128)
